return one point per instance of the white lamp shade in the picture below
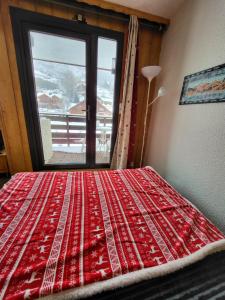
(161, 91)
(151, 71)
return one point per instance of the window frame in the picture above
(23, 22)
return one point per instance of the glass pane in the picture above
(57, 48)
(105, 97)
(59, 69)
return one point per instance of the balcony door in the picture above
(70, 78)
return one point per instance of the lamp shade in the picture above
(151, 71)
(161, 91)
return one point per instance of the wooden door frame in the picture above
(22, 22)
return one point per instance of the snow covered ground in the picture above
(69, 149)
(75, 148)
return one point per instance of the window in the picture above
(107, 54)
(72, 74)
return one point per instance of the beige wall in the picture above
(186, 144)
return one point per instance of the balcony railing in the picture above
(64, 131)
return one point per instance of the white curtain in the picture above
(120, 153)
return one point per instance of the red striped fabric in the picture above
(61, 230)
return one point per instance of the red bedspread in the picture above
(61, 230)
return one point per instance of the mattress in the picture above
(68, 235)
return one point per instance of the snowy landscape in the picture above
(68, 84)
(61, 87)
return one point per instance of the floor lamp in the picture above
(150, 72)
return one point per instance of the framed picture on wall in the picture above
(207, 86)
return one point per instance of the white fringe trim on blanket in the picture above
(137, 276)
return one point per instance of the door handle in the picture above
(87, 112)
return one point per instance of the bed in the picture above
(70, 235)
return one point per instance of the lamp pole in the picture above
(145, 121)
(149, 72)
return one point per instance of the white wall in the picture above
(186, 144)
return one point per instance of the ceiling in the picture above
(162, 8)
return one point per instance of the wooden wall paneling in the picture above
(25, 4)
(149, 51)
(145, 40)
(15, 78)
(60, 12)
(9, 113)
(104, 22)
(154, 59)
(43, 7)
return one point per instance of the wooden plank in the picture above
(3, 163)
(43, 7)
(77, 135)
(151, 42)
(74, 135)
(9, 113)
(18, 103)
(126, 10)
(77, 141)
(59, 141)
(64, 141)
(71, 127)
(70, 118)
(63, 118)
(77, 127)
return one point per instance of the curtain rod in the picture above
(107, 13)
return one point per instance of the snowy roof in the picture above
(79, 109)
